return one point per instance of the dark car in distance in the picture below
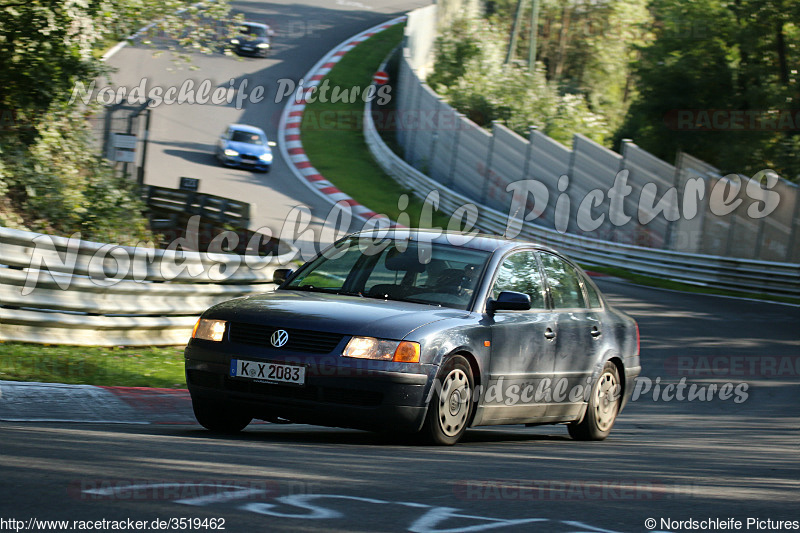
(252, 39)
(418, 331)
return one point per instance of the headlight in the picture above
(263, 45)
(210, 330)
(382, 350)
(234, 41)
(231, 153)
(265, 157)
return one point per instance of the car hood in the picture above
(247, 148)
(348, 315)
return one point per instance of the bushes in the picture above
(57, 184)
(469, 73)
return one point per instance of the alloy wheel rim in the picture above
(606, 401)
(454, 402)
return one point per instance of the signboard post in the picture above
(123, 148)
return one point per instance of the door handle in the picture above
(549, 334)
(596, 332)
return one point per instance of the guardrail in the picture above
(782, 279)
(177, 204)
(67, 291)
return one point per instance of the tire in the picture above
(215, 417)
(450, 408)
(604, 402)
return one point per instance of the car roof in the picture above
(483, 242)
(245, 127)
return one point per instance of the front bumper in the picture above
(240, 162)
(361, 398)
(252, 50)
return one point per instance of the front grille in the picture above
(299, 340)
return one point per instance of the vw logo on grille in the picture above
(279, 338)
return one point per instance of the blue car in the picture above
(245, 146)
(419, 332)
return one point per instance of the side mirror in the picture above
(281, 275)
(509, 301)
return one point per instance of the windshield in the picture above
(434, 274)
(253, 31)
(247, 137)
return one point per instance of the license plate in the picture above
(267, 372)
(247, 48)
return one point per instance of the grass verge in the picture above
(81, 365)
(334, 141)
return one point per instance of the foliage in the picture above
(711, 55)
(469, 72)
(587, 48)
(61, 186)
(49, 178)
(630, 66)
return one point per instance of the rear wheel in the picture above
(451, 406)
(604, 403)
(214, 416)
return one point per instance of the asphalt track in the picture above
(136, 454)
(183, 136)
(89, 454)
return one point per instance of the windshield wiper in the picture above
(350, 293)
(327, 290)
(310, 288)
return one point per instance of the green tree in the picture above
(470, 72)
(50, 176)
(709, 55)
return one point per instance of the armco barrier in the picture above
(68, 291)
(481, 164)
(729, 273)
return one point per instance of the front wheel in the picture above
(217, 418)
(451, 405)
(604, 403)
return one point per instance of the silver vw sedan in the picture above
(420, 332)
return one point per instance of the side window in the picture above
(564, 283)
(593, 296)
(520, 273)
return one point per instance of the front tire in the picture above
(604, 403)
(214, 416)
(451, 406)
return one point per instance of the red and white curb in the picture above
(290, 144)
(56, 402)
